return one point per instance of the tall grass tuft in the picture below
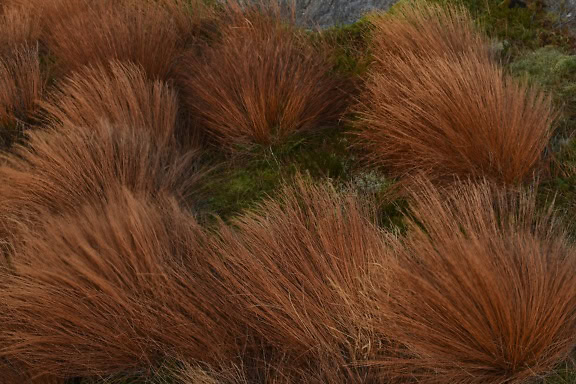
(266, 369)
(80, 32)
(121, 95)
(61, 170)
(298, 269)
(93, 292)
(453, 118)
(436, 102)
(261, 82)
(483, 289)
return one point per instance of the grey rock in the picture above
(566, 9)
(326, 13)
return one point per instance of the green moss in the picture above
(241, 183)
(551, 68)
(555, 71)
(239, 188)
(350, 46)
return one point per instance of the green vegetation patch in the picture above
(523, 24)
(555, 71)
(350, 44)
(240, 183)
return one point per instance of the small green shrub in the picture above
(530, 27)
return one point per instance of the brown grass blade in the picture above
(81, 32)
(427, 30)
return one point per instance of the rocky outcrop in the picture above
(325, 13)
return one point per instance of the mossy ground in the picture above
(242, 181)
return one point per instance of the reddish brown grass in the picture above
(61, 170)
(266, 371)
(261, 82)
(97, 292)
(453, 117)
(436, 103)
(192, 17)
(297, 270)
(17, 375)
(18, 26)
(187, 15)
(81, 32)
(21, 85)
(426, 30)
(483, 290)
(121, 95)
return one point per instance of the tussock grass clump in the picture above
(426, 30)
(261, 82)
(61, 170)
(483, 290)
(96, 292)
(80, 32)
(448, 118)
(436, 103)
(121, 95)
(297, 269)
(21, 85)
